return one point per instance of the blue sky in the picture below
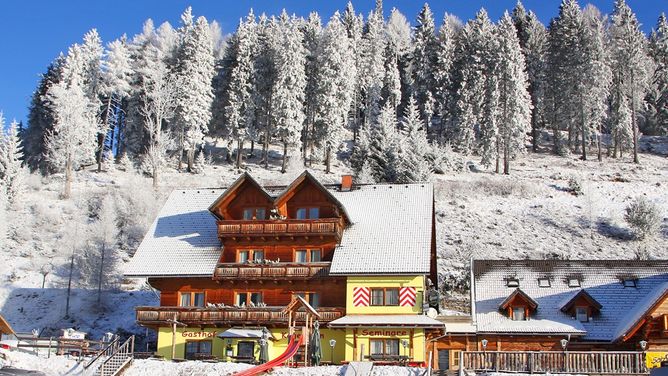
(32, 33)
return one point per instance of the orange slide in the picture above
(293, 346)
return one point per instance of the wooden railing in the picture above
(227, 315)
(271, 271)
(579, 362)
(283, 227)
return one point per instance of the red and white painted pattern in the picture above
(361, 296)
(407, 296)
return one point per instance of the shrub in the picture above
(644, 217)
(574, 186)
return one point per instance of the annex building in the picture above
(227, 262)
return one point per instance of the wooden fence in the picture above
(576, 362)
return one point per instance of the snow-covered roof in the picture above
(183, 239)
(621, 307)
(390, 232)
(386, 320)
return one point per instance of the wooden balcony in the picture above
(280, 227)
(271, 271)
(155, 316)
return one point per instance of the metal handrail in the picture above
(102, 352)
(126, 349)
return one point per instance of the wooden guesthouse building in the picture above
(228, 261)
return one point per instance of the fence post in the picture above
(530, 362)
(496, 361)
(461, 363)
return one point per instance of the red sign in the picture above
(383, 333)
(198, 334)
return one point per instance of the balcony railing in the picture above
(280, 227)
(271, 271)
(227, 315)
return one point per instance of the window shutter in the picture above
(407, 296)
(361, 296)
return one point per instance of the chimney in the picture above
(346, 183)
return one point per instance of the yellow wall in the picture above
(385, 281)
(276, 347)
(364, 335)
(653, 358)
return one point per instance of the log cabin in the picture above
(616, 307)
(226, 263)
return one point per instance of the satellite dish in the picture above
(431, 312)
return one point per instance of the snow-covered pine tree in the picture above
(630, 62)
(397, 81)
(444, 74)
(658, 98)
(473, 48)
(264, 71)
(354, 24)
(11, 165)
(334, 90)
(424, 61)
(116, 84)
(312, 30)
(71, 142)
(391, 91)
(514, 100)
(414, 166)
(194, 72)
(288, 95)
(383, 155)
(562, 64)
(373, 68)
(41, 118)
(533, 40)
(358, 157)
(3, 219)
(595, 79)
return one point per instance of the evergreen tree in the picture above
(354, 25)
(373, 68)
(424, 61)
(563, 59)
(414, 166)
(383, 154)
(514, 107)
(397, 82)
(288, 95)
(595, 79)
(11, 157)
(444, 76)
(312, 30)
(658, 97)
(265, 79)
(630, 63)
(194, 70)
(335, 85)
(41, 118)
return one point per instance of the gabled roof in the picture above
(582, 294)
(622, 308)
(244, 178)
(297, 302)
(518, 293)
(307, 176)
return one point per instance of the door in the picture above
(444, 359)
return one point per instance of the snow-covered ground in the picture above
(527, 214)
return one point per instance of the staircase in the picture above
(113, 359)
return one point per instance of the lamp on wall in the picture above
(332, 343)
(564, 343)
(404, 343)
(484, 343)
(643, 345)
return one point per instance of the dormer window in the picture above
(518, 314)
(581, 306)
(573, 282)
(254, 213)
(518, 306)
(308, 213)
(582, 314)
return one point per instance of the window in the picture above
(192, 299)
(573, 282)
(254, 213)
(455, 358)
(512, 282)
(194, 349)
(308, 213)
(312, 298)
(629, 282)
(518, 314)
(385, 297)
(246, 349)
(544, 282)
(245, 255)
(308, 255)
(246, 298)
(582, 314)
(379, 348)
